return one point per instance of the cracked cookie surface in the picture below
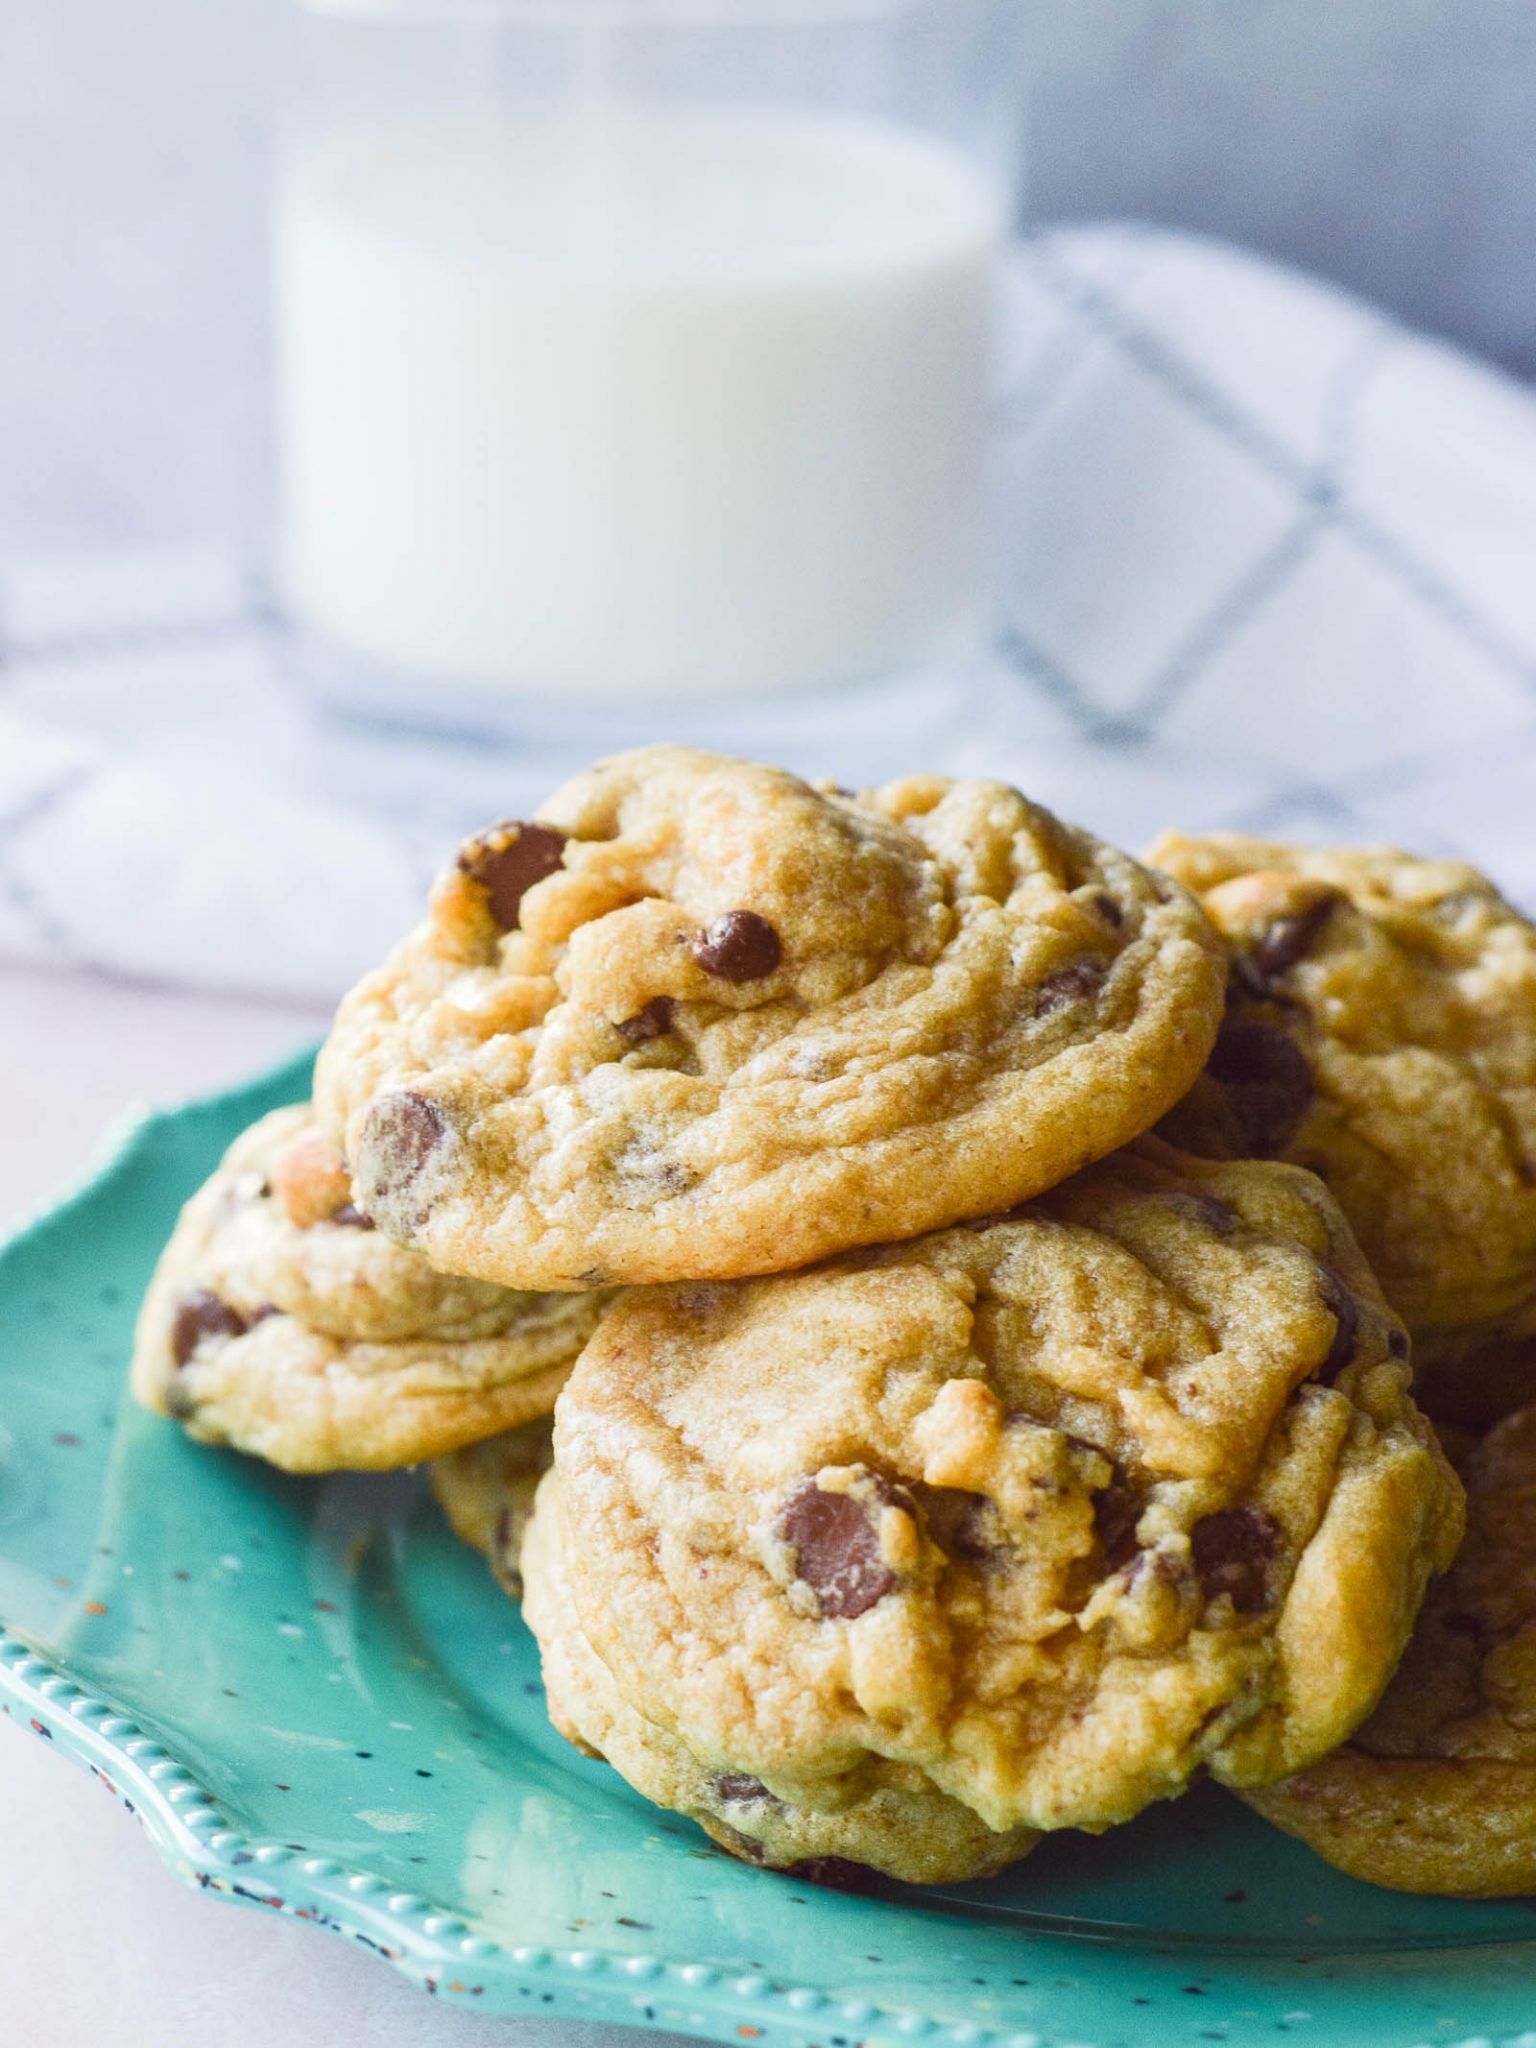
(1049, 1511)
(701, 1019)
(1381, 1029)
(280, 1322)
(1437, 1791)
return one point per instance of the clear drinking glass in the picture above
(637, 349)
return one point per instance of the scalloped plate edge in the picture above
(436, 1949)
(432, 1947)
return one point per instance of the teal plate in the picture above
(317, 1703)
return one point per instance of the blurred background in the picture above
(1273, 570)
(1382, 143)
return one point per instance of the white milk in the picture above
(678, 400)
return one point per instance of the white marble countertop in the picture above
(101, 1944)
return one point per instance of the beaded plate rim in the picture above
(433, 1946)
(430, 1944)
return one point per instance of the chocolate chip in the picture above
(837, 1550)
(199, 1315)
(737, 1788)
(1281, 944)
(1109, 910)
(1074, 984)
(1267, 1080)
(740, 946)
(956, 1520)
(651, 1022)
(1345, 1310)
(1116, 1511)
(1231, 1549)
(1202, 1208)
(507, 860)
(399, 1137)
(350, 1217)
(837, 1873)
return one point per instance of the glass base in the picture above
(863, 731)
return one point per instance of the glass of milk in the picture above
(636, 351)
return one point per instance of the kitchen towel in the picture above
(1267, 560)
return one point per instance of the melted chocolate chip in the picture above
(1109, 910)
(400, 1136)
(837, 1550)
(837, 1873)
(1281, 944)
(1345, 1310)
(652, 1022)
(507, 860)
(351, 1217)
(1202, 1208)
(1267, 1080)
(1074, 984)
(740, 946)
(737, 1788)
(956, 1520)
(1116, 1511)
(1231, 1549)
(199, 1315)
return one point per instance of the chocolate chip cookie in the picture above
(700, 1019)
(1047, 1512)
(1381, 1029)
(486, 1490)
(880, 1817)
(1437, 1791)
(279, 1321)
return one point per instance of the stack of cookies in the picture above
(985, 1281)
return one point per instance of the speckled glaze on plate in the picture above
(317, 1703)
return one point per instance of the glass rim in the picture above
(639, 14)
